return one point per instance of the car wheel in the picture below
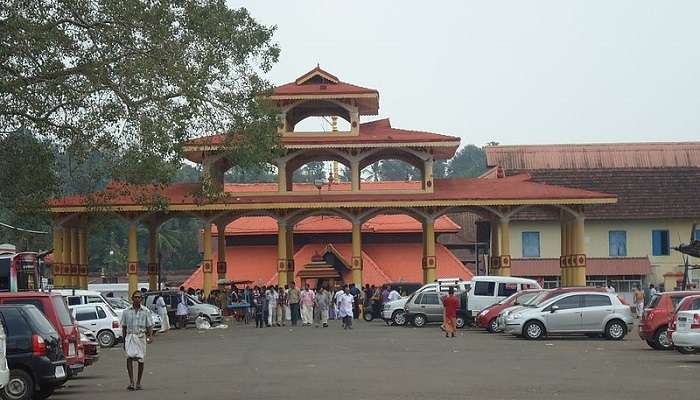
(106, 339)
(460, 322)
(368, 316)
(651, 343)
(419, 320)
(661, 339)
(687, 350)
(615, 330)
(398, 317)
(493, 325)
(19, 387)
(533, 330)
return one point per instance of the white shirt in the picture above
(394, 295)
(160, 303)
(345, 305)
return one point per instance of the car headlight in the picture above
(514, 316)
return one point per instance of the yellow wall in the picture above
(638, 241)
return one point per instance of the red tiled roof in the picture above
(595, 266)
(331, 85)
(593, 156)
(396, 223)
(516, 188)
(382, 263)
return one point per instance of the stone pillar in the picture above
(355, 176)
(74, 258)
(504, 230)
(58, 256)
(282, 259)
(357, 254)
(428, 175)
(578, 275)
(207, 268)
(221, 264)
(67, 257)
(132, 260)
(82, 258)
(153, 257)
(429, 259)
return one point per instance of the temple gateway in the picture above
(285, 208)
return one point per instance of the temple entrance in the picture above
(326, 269)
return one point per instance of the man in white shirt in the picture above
(345, 302)
(394, 295)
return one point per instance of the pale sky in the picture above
(515, 72)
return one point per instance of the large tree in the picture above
(133, 79)
(470, 161)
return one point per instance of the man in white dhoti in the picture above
(137, 330)
(345, 302)
(162, 311)
(182, 310)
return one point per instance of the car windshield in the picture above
(535, 300)
(62, 311)
(526, 297)
(40, 322)
(120, 304)
(654, 301)
(509, 298)
(194, 300)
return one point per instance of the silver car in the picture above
(573, 313)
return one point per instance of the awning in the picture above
(595, 266)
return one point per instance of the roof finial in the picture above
(318, 65)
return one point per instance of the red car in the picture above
(653, 328)
(687, 304)
(487, 317)
(54, 307)
(90, 345)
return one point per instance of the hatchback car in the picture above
(119, 305)
(689, 303)
(91, 347)
(172, 297)
(653, 327)
(573, 313)
(101, 320)
(34, 354)
(687, 334)
(488, 317)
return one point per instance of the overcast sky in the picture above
(515, 72)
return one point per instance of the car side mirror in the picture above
(552, 309)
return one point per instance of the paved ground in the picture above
(374, 361)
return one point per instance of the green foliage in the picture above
(470, 161)
(309, 172)
(258, 173)
(397, 170)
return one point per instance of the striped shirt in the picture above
(137, 321)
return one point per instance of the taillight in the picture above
(672, 325)
(115, 324)
(696, 322)
(38, 346)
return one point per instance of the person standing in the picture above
(258, 307)
(272, 296)
(162, 311)
(281, 305)
(356, 293)
(345, 306)
(307, 305)
(181, 310)
(137, 330)
(638, 295)
(451, 304)
(293, 298)
(394, 295)
(322, 303)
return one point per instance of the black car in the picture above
(34, 355)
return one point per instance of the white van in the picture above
(488, 290)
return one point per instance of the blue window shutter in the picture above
(660, 242)
(617, 243)
(531, 244)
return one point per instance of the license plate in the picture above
(71, 349)
(60, 372)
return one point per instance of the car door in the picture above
(18, 335)
(87, 317)
(567, 318)
(482, 295)
(595, 310)
(432, 307)
(104, 318)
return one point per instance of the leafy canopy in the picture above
(133, 79)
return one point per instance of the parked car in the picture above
(53, 306)
(425, 306)
(34, 354)
(172, 297)
(119, 305)
(573, 313)
(687, 334)
(90, 345)
(393, 312)
(543, 296)
(488, 317)
(488, 290)
(101, 320)
(4, 369)
(689, 303)
(653, 327)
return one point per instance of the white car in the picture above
(119, 305)
(4, 370)
(687, 332)
(488, 290)
(100, 319)
(393, 312)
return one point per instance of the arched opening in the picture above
(320, 116)
(260, 173)
(318, 170)
(393, 165)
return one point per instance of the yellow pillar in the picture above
(75, 258)
(504, 230)
(355, 176)
(153, 257)
(564, 250)
(57, 256)
(428, 175)
(495, 267)
(132, 260)
(67, 248)
(281, 177)
(282, 259)
(429, 259)
(221, 264)
(569, 253)
(579, 246)
(207, 259)
(82, 258)
(290, 254)
(357, 253)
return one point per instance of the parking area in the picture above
(375, 361)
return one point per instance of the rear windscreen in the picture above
(62, 311)
(40, 322)
(654, 301)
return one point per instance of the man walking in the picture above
(451, 304)
(638, 301)
(345, 303)
(322, 304)
(181, 311)
(355, 292)
(293, 298)
(307, 305)
(137, 330)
